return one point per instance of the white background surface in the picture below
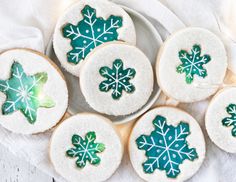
(29, 23)
(14, 169)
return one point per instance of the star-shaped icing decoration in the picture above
(117, 79)
(85, 149)
(89, 33)
(193, 63)
(24, 93)
(166, 148)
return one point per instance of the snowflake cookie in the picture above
(191, 65)
(86, 147)
(166, 144)
(119, 75)
(27, 92)
(87, 25)
(220, 119)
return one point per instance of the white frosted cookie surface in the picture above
(106, 135)
(203, 70)
(91, 31)
(220, 119)
(116, 89)
(165, 145)
(54, 90)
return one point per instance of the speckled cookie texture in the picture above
(86, 147)
(116, 79)
(33, 92)
(220, 119)
(191, 65)
(86, 25)
(166, 144)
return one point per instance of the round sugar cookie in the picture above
(166, 144)
(220, 119)
(86, 147)
(33, 92)
(86, 25)
(191, 65)
(116, 79)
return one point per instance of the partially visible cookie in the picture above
(117, 79)
(166, 144)
(86, 147)
(191, 65)
(220, 119)
(86, 25)
(33, 92)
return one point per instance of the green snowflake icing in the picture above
(192, 64)
(117, 79)
(89, 33)
(24, 93)
(166, 147)
(85, 150)
(231, 121)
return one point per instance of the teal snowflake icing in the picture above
(231, 121)
(24, 93)
(166, 147)
(85, 150)
(192, 64)
(89, 33)
(117, 79)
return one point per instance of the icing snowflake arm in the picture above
(44, 101)
(71, 31)
(79, 49)
(125, 76)
(106, 85)
(149, 144)
(16, 68)
(98, 29)
(110, 29)
(193, 63)
(117, 69)
(180, 145)
(84, 29)
(8, 107)
(231, 121)
(160, 125)
(3, 86)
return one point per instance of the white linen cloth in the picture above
(30, 24)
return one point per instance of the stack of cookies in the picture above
(95, 40)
